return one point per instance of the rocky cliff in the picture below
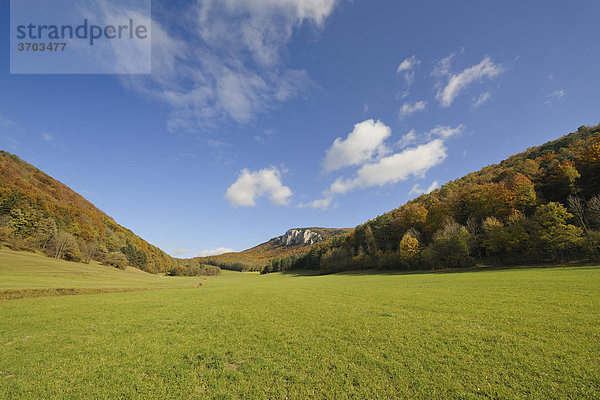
(298, 237)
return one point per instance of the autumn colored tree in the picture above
(556, 235)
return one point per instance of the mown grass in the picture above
(529, 333)
(24, 270)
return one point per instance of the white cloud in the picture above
(365, 108)
(252, 185)
(319, 204)
(226, 61)
(388, 169)
(409, 77)
(442, 67)
(214, 252)
(416, 189)
(408, 64)
(117, 56)
(408, 139)
(412, 162)
(408, 109)
(444, 132)
(457, 82)
(179, 252)
(402, 95)
(361, 145)
(478, 101)
(554, 96)
(47, 137)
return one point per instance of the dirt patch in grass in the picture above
(17, 294)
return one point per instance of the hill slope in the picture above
(38, 212)
(542, 205)
(294, 242)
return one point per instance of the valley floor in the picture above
(518, 333)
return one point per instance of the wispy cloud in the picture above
(408, 108)
(229, 67)
(442, 67)
(319, 204)
(214, 252)
(554, 96)
(408, 64)
(458, 82)
(10, 143)
(251, 185)
(445, 132)
(416, 189)
(47, 137)
(482, 98)
(408, 139)
(179, 252)
(266, 137)
(6, 123)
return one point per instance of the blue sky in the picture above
(264, 115)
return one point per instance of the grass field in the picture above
(518, 333)
(32, 273)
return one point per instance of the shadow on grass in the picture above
(487, 268)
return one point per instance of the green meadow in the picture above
(513, 333)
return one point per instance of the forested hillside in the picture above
(542, 205)
(254, 258)
(39, 213)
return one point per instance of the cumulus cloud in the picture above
(214, 252)
(416, 189)
(408, 108)
(478, 101)
(362, 144)
(251, 185)
(412, 162)
(458, 82)
(225, 63)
